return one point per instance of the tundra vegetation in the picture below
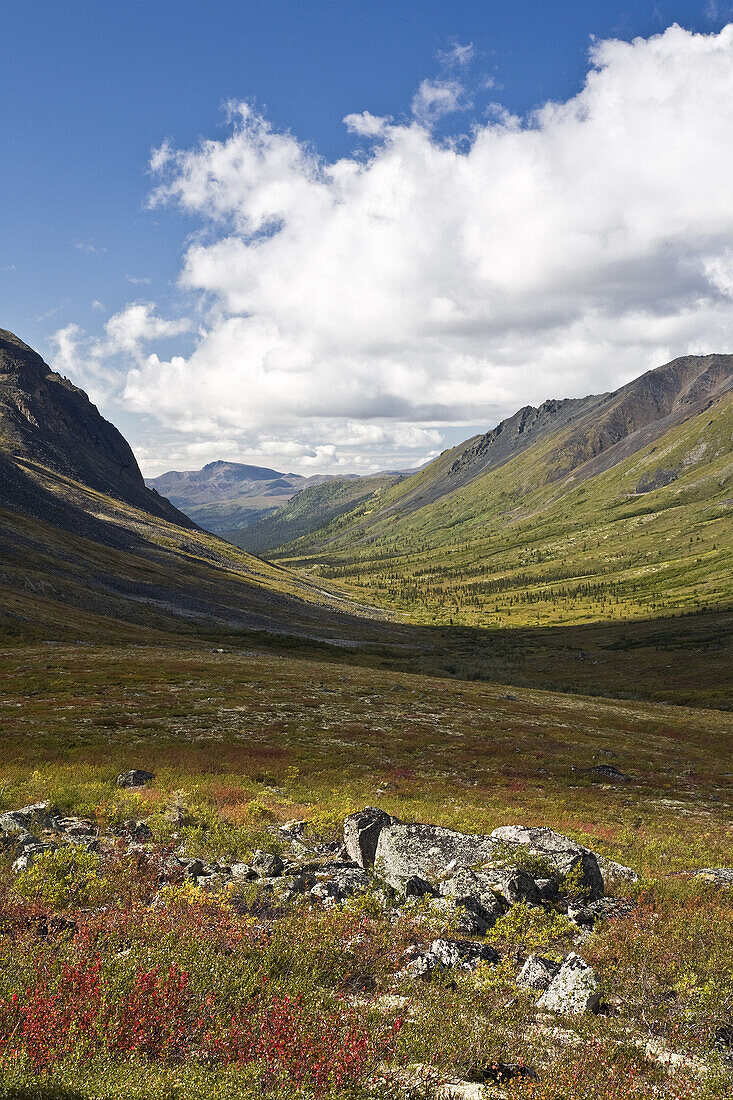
(136, 962)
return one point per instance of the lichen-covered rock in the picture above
(138, 777)
(267, 864)
(537, 973)
(613, 872)
(341, 883)
(573, 990)
(562, 853)
(721, 876)
(361, 834)
(450, 954)
(427, 851)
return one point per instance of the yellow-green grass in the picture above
(257, 735)
(521, 546)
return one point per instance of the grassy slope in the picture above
(126, 574)
(517, 548)
(308, 510)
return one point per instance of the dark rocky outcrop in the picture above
(46, 420)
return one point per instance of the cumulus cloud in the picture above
(435, 99)
(430, 282)
(95, 362)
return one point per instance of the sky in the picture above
(341, 236)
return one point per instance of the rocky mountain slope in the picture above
(229, 496)
(612, 506)
(47, 421)
(88, 551)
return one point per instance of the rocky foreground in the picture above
(463, 884)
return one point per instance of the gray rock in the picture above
(30, 854)
(573, 990)
(548, 888)
(612, 871)
(17, 823)
(135, 778)
(242, 871)
(343, 884)
(721, 876)
(292, 830)
(512, 885)
(450, 955)
(564, 854)
(267, 864)
(537, 973)
(582, 915)
(465, 883)
(361, 834)
(416, 887)
(427, 851)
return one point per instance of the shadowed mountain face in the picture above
(46, 420)
(88, 551)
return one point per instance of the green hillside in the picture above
(527, 544)
(309, 510)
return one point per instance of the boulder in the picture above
(361, 833)
(30, 853)
(267, 864)
(135, 778)
(343, 883)
(16, 823)
(242, 871)
(562, 853)
(573, 990)
(537, 973)
(427, 851)
(721, 876)
(612, 872)
(450, 955)
(473, 892)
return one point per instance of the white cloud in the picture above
(366, 124)
(95, 363)
(435, 99)
(457, 55)
(432, 283)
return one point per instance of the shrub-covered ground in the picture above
(117, 979)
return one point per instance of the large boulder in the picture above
(560, 852)
(361, 833)
(573, 990)
(537, 973)
(451, 955)
(474, 891)
(427, 851)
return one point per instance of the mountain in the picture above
(46, 420)
(612, 506)
(229, 496)
(89, 552)
(310, 509)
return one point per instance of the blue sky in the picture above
(89, 89)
